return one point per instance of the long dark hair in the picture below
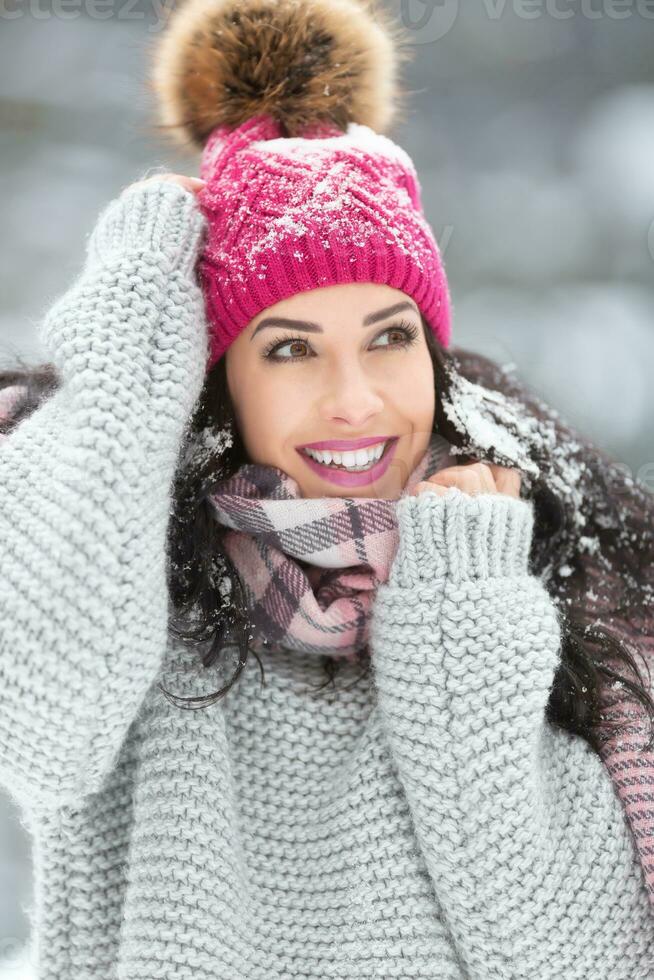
(593, 542)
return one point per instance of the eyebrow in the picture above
(310, 327)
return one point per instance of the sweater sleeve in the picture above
(85, 494)
(523, 834)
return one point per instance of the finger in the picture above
(471, 478)
(191, 184)
(469, 483)
(485, 475)
(196, 182)
(507, 480)
(425, 485)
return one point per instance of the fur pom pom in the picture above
(220, 62)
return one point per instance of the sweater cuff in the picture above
(160, 217)
(459, 537)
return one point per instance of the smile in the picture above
(351, 468)
(354, 461)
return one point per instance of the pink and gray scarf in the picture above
(310, 566)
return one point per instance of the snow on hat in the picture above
(287, 100)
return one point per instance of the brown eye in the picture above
(272, 351)
(405, 335)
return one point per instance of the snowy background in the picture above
(532, 128)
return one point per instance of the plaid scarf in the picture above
(310, 566)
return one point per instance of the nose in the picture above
(350, 397)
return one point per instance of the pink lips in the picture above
(344, 479)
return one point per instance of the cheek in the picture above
(268, 408)
(267, 432)
(416, 392)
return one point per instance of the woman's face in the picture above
(331, 368)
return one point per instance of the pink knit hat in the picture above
(301, 192)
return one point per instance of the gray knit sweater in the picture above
(425, 823)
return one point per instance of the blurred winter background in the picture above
(532, 127)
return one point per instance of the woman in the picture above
(480, 580)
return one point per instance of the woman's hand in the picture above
(192, 184)
(473, 478)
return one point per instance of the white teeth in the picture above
(351, 459)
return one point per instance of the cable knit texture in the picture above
(290, 214)
(422, 822)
